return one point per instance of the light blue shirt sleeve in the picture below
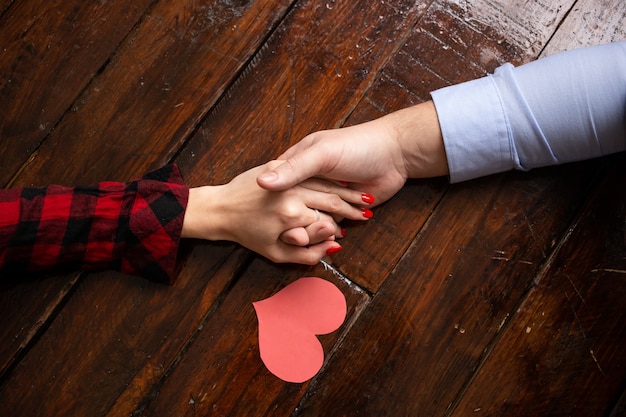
(563, 108)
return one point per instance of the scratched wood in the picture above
(157, 85)
(591, 22)
(430, 58)
(441, 285)
(222, 374)
(526, 26)
(50, 51)
(448, 46)
(115, 337)
(285, 81)
(553, 356)
(562, 352)
(448, 297)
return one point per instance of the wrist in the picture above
(419, 137)
(202, 216)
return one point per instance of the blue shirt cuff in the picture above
(474, 128)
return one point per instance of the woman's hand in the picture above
(243, 212)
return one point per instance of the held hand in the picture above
(375, 157)
(243, 212)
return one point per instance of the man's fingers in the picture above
(283, 177)
(302, 165)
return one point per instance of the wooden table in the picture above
(499, 296)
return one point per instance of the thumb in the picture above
(300, 167)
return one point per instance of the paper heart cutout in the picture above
(289, 322)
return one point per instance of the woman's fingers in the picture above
(316, 232)
(337, 200)
(309, 255)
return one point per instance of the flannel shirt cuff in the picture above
(134, 227)
(150, 237)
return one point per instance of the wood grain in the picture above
(134, 86)
(116, 337)
(499, 296)
(50, 52)
(566, 339)
(449, 296)
(590, 22)
(156, 88)
(222, 373)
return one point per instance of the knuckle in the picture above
(335, 203)
(290, 213)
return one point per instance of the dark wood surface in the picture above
(500, 296)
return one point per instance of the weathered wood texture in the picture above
(462, 291)
(501, 296)
(566, 339)
(50, 52)
(221, 374)
(135, 107)
(590, 22)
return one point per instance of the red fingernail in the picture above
(367, 213)
(332, 250)
(344, 233)
(367, 198)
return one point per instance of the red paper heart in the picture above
(289, 322)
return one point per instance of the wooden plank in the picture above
(620, 409)
(114, 340)
(222, 373)
(50, 52)
(195, 50)
(225, 358)
(156, 88)
(525, 26)
(563, 351)
(426, 329)
(590, 22)
(308, 77)
(4, 5)
(26, 310)
(284, 82)
(144, 382)
(445, 48)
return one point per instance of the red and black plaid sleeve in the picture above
(134, 227)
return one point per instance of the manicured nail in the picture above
(344, 233)
(367, 198)
(367, 213)
(332, 250)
